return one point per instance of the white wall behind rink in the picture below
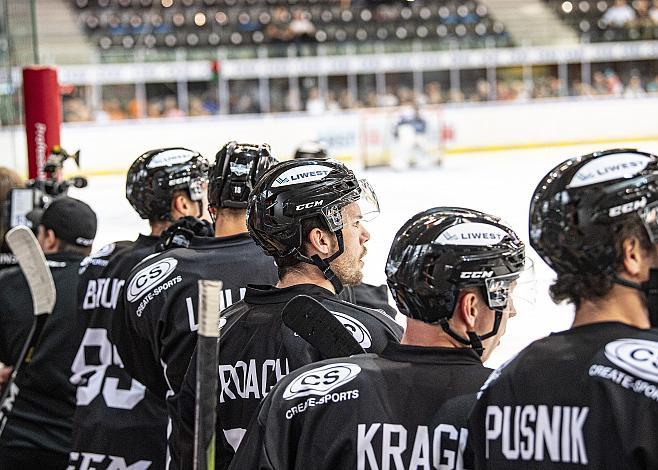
(112, 146)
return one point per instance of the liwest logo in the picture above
(637, 356)
(94, 258)
(321, 380)
(170, 157)
(475, 234)
(149, 277)
(626, 208)
(354, 326)
(302, 174)
(610, 167)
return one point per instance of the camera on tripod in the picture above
(25, 205)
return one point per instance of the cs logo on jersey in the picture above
(321, 380)
(637, 356)
(148, 277)
(360, 332)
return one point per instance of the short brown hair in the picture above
(578, 287)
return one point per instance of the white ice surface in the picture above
(500, 183)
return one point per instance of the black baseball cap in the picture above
(72, 221)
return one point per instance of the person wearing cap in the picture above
(37, 433)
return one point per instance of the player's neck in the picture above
(418, 333)
(305, 274)
(622, 304)
(158, 227)
(227, 225)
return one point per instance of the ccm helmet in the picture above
(235, 172)
(295, 190)
(439, 252)
(579, 204)
(155, 176)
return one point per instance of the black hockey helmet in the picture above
(311, 149)
(577, 206)
(155, 175)
(295, 190)
(439, 252)
(235, 172)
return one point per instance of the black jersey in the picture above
(42, 413)
(583, 398)
(257, 349)
(405, 409)
(117, 421)
(162, 296)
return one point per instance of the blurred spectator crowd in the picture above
(610, 20)
(148, 24)
(605, 82)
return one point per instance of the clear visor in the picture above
(365, 198)
(649, 216)
(512, 292)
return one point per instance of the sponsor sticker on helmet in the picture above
(354, 326)
(240, 169)
(637, 356)
(608, 168)
(171, 157)
(474, 234)
(148, 277)
(321, 380)
(301, 174)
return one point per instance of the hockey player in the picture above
(586, 397)
(117, 421)
(308, 215)
(450, 271)
(161, 295)
(37, 433)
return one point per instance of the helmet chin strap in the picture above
(323, 264)
(650, 289)
(474, 340)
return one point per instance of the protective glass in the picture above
(366, 199)
(512, 291)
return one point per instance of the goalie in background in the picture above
(412, 146)
(38, 429)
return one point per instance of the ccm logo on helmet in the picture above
(476, 274)
(626, 208)
(149, 277)
(321, 380)
(309, 205)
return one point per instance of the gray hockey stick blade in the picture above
(33, 263)
(319, 327)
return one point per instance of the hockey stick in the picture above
(312, 321)
(206, 373)
(32, 261)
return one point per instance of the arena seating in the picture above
(588, 18)
(165, 24)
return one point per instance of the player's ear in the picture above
(181, 205)
(320, 242)
(632, 256)
(467, 309)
